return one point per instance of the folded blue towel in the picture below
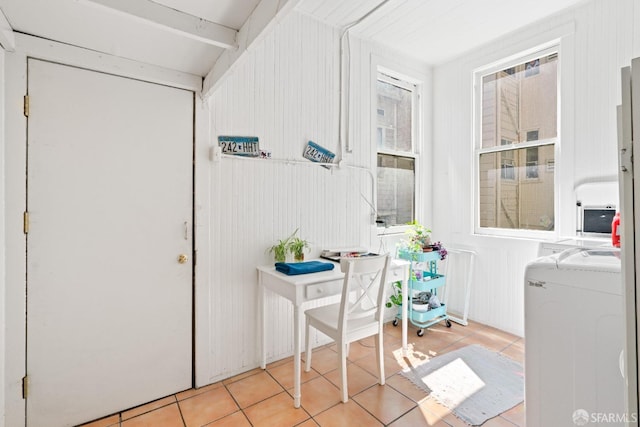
(292, 268)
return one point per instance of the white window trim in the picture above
(416, 85)
(478, 74)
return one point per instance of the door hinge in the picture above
(25, 222)
(25, 386)
(626, 160)
(26, 106)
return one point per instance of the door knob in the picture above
(182, 258)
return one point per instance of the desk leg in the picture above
(296, 355)
(405, 320)
(262, 341)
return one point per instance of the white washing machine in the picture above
(574, 329)
(549, 248)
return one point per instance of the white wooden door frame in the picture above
(14, 355)
(96, 245)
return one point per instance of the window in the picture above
(532, 156)
(396, 163)
(532, 163)
(517, 130)
(532, 135)
(532, 68)
(507, 170)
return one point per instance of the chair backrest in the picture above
(364, 288)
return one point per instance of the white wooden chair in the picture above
(358, 315)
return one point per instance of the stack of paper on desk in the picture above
(336, 254)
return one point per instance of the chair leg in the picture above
(307, 346)
(342, 355)
(380, 358)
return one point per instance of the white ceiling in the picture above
(433, 31)
(83, 23)
(230, 13)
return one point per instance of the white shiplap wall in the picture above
(597, 40)
(286, 92)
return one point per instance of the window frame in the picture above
(522, 57)
(416, 86)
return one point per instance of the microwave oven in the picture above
(597, 219)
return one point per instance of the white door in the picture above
(109, 195)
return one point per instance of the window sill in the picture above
(392, 230)
(515, 234)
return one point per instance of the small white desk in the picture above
(300, 289)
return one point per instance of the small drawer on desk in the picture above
(395, 275)
(321, 290)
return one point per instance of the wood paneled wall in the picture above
(286, 91)
(597, 39)
(257, 202)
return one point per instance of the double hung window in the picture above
(396, 132)
(516, 132)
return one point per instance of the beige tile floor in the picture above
(263, 397)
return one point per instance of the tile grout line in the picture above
(510, 342)
(241, 409)
(285, 390)
(184, 422)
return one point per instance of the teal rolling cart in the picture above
(425, 308)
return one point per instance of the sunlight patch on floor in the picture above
(459, 378)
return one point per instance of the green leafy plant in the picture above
(396, 297)
(279, 250)
(419, 237)
(297, 247)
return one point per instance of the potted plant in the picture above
(439, 247)
(396, 297)
(280, 249)
(395, 300)
(297, 246)
(419, 238)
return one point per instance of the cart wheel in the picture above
(420, 332)
(448, 323)
(395, 322)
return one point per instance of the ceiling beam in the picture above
(262, 21)
(7, 38)
(174, 21)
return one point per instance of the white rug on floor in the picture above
(476, 384)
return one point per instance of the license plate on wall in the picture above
(316, 153)
(239, 145)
